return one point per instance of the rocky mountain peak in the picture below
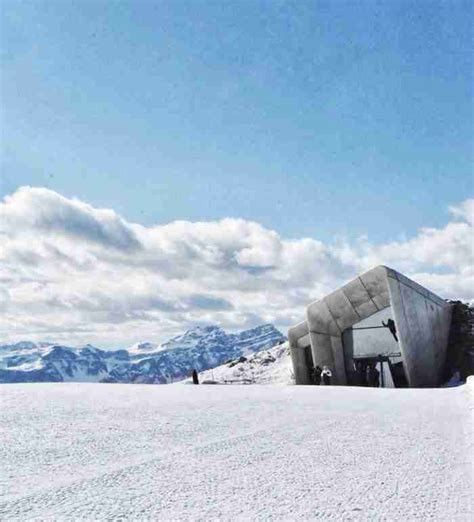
(199, 348)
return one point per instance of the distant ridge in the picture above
(201, 348)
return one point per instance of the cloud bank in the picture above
(73, 273)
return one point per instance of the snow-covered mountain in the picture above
(271, 366)
(201, 348)
(143, 348)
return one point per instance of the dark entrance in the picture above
(398, 375)
(309, 363)
(378, 371)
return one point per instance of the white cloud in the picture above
(42, 211)
(464, 211)
(74, 273)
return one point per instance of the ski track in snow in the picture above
(92, 451)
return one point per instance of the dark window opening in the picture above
(309, 363)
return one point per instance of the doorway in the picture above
(373, 372)
(308, 355)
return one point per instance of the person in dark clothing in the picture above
(391, 326)
(326, 375)
(373, 376)
(361, 377)
(317, 375)
(367, 374)
(195, 377)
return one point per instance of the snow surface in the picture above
(96, 451)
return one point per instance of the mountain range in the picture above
(200, 348)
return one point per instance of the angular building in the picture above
(380, 319)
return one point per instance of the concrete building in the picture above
(380, 319)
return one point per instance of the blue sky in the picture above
(320, 119)
(313, 124)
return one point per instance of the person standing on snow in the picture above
(374, 376)
(326, 375)
(361, 378)
(317, 376)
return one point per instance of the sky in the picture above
(166, 164)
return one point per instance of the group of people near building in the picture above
(322, 375)
(367, 374)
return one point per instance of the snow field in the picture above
(271, 366)
(95, 451)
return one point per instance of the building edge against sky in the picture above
(422, 321)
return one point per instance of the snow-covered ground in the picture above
(96, 451)
(271, 366)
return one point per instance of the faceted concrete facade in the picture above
(422, 320)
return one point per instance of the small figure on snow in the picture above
(326, 375)
(195, 377)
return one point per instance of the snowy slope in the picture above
(92, 452)
(271, 366)
(200, 348)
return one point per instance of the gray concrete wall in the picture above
(295, 335)
(322, 351)
(423, 321)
